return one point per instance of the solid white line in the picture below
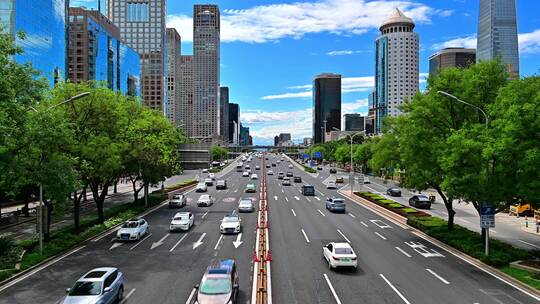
(321, 212)
(305, 236)
(282, 191)
(294, 213)
(343, 235)
(380, 235)
(352, 215)
(191, 296)
(296, 198)
(204, 214)
(332, 289)
(308, 199)
(394, 289)
(218, 241)
(139, 242)
(437, 276)
(404, 252)
(178, 243)
(365, 225)
(528, 243)
(286, 198)
(317, 198)
(124, 300)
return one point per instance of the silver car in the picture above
(246, 205)
(100, 285)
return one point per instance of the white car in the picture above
(254, 176)
(270, 172)
(205, 200)
(132, 230)
(201, 187)
(212, 176)
(208, 181)
(366, 180)
(257, 167)
(182, 221)
(339, 255)
(204, 170)
(231, 224)
(245, 174)
(290, 166)
(331, 185)
(178, 200)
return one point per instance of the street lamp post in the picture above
(40, 208)
(351, 173)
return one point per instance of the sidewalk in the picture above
(28, 229)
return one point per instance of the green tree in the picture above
(385, 154)
(363, 153)
(218, 153)
(343, 153)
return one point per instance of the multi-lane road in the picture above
(394, 264)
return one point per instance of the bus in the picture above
(239, 167)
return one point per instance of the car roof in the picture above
(182, 213)
(222, 267)
(341, 245)
(97, 274)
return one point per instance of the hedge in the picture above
(309, 169)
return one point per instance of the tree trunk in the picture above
(448, 203)
(47, 219)
(135, 190)
(99, 198)
(115, 186)
(145, 195)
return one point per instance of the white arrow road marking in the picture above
(116, 244)
(294, 213)
(204, 214)
(179, 241)
(140, 242)
(380, 224)
(394, 289)
(424, 250)
(317, 198)
(275, 198)
(305, 235)
(343, 235)
(296, 198)
(321, 212)
(404, 252)
(332, 289)
(352, 215)
(218, 241)
(238, 241)
(437, 276)
(160, 242)
(199, 242)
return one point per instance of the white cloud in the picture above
(466, 42)
(265, 125)
(423, 77)
(342, 53)
(301, 87)
(271, 22)
(354, 107)
(288, 95)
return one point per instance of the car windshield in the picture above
(230, 219)
(130, 225)
(339, 201)
(215, 286)
(180, 217)
(177, 197)
(86, 289)
(245, 202)
(201, 185)
(344, 251)
(205, 196)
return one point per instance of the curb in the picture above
(494, 272)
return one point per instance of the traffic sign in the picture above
(487, 216)
(306, 156)
(317, 154)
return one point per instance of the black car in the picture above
(333, 171)
(308, 190)
(297, 179)
(420, 201)
(319, 168)
(289, 174)
(273, 164)
(394, 191)
(267, 165)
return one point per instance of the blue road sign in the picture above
(317, 155)
(306, 156)
(487, 209)
(311, 163)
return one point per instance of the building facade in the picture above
(234, 124)
(96, 53)
(206, 69)
(224, 113)
(396, 66)
(497, 34)
(276, 140)
(326, 105)
(142, 27)
(354, 122)
(283, 137)
(185, 93)
(174, 51)
(44, 23)
(370, 118)
(307, 141)
(451, 58)
(244, 135)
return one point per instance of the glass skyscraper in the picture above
(497, 34)
(326, 105)
(44, 23)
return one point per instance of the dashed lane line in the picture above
(218, 241)
(437, 276)
(352, 215)
(294, 213)
(380, 235)
(394, 289)
(404, 252)
(305, 236)
(332, 289)
(179, 241)
(126, 297)
(140, 242)
(191, 295)
(317, 198)
(365, 225)
(286, 198)
(204, 215)
(343, 235)
(296, 198)
(321, 212)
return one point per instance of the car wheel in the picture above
(120, 295)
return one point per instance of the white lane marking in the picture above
(365, 225)
(317, 198)
(380, 224)
(423, 250)
(139, 242)
(218, 241)
(352, 215)
(305, 235)
(319, 192)
(238, 241)
(126, 297)
(394, 289)
(287, 199)
(380, 235)
(296, 198)
(199, 242)
(308, 199)
(404, 252)
(191, 295)
(343, 235)
(204, 214)
(533, 245)
(332, 289)
(282, 191)
(294, 213)
(275, 198)
(321, 212)
(437, 276)
(160, 242)
(235, 190)
(179, 241)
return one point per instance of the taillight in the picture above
(335, 259)
(354, 259)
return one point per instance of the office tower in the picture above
(354, 122)
(396, 66)
(185, 104)
(173, 61)
(497, 34)
(370, 119)
(283, 137)
(96, 53)
(142, 27)
(276, 140)
(206, 39)
(44, 23)
(453, 57)
(244, 135)
(234, 124)
(224, 113)
(326, 105)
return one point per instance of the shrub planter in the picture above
(391, 205)
(533, 266)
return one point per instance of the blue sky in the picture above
(271, 50)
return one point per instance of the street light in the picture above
(40, 209)
(466, 103)
(351, 174)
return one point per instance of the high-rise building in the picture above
(244, 135)
(185, 103)
(307, 141)
(276, 140)
(206, 54)
(173, 61)
(497, 34)
(142, 27)
(224, 113)
(283, 137)
(354, 122)
(396, 66)
(234, 124)
(44, 23)
(96, 53)
(326, 105)
(453, 57)
(370, 119)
